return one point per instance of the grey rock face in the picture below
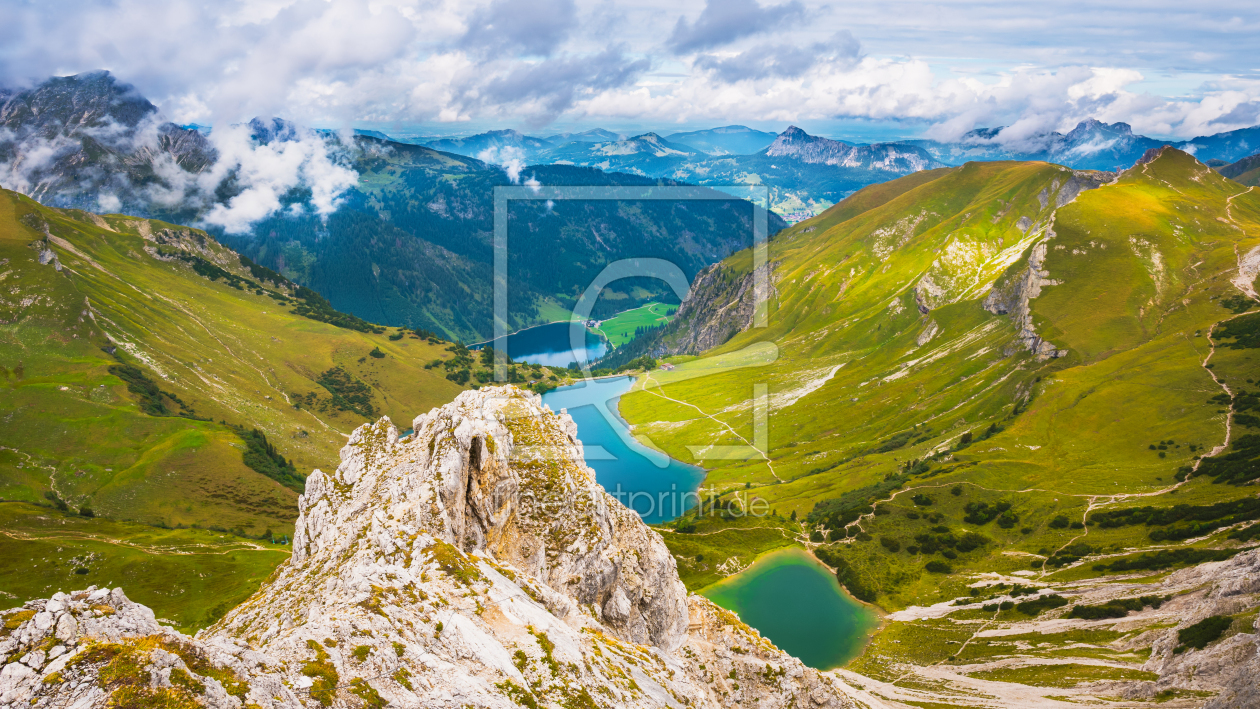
(1228, 667)
(44, 639)
(929, 331)
(894, 157)
(1012, 296)
(719, 306)
(72, 138)
(493, 473)
(1081, 181)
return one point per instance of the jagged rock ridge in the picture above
(1011, 296)
(721, 304)
(798, 144)
(1091, 144)
(474, 563)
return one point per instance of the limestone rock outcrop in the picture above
(722, 303)
(1227, 668)
(1011, 298)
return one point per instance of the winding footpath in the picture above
(661, 393)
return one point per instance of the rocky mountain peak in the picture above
(649, 138)
(71, 139)
(491, 474)
(1093, 125)
(981, 134)
(811, 148)
(66, 104)
(796, 143)
(475, 562)
(1153, 154)
(795, 139)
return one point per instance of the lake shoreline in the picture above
(616, 410)
(795, 602)
(478, 345)
(852, 622)
(623, 465)
(883, 614)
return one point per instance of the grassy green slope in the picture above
(236, 355)
(1142, 266)
(190, 577)
(893, 427)
(621, 328)
(843, 302)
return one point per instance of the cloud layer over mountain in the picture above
(1167, 68)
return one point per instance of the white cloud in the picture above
(952, 63)
(509, 157)
(267, 173)
(108, 203)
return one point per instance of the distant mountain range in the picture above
(649, 155)
(805, 172)
(796, 144)
(409, 242)
(495, 141)
(594, 135)
(728, 140)
(1091, 145)
(802, 172)
(808, 173)
(72, 139)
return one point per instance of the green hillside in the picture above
(626, 326)
(149, 374)
(975, 367)
(1244, 172)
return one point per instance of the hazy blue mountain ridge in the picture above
(727, 140)
(594, 135)
(495, 141)
(649, 155)
(1091, 145)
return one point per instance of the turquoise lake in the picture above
(656, 486)
(796, 602)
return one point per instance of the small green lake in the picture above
(796, 602)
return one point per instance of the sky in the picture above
(876, 69)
